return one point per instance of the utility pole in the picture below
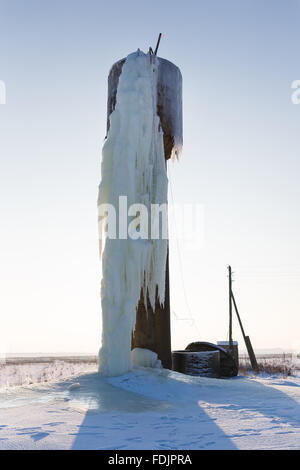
(230, 308)
(248, 344)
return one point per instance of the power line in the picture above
(181, 264)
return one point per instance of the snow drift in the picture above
(145, 358)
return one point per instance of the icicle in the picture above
(133, 165)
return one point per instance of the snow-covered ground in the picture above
(152, 409)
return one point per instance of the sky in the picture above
(240, 161)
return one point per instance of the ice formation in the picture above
(133, 165)
(145, 358)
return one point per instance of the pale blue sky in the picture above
(241, 161)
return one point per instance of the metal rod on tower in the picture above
(157, 45)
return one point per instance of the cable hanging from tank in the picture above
(181, 265)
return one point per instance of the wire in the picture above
(190, 320)
(181, 264)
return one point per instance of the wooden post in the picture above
(251, 354)
(152, 328)
(230, 308)
(248, 344)
(238, 315)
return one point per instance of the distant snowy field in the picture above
(75, 408)
(33, 373)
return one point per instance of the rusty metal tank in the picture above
(169, 100)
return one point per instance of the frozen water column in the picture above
(152, 328)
